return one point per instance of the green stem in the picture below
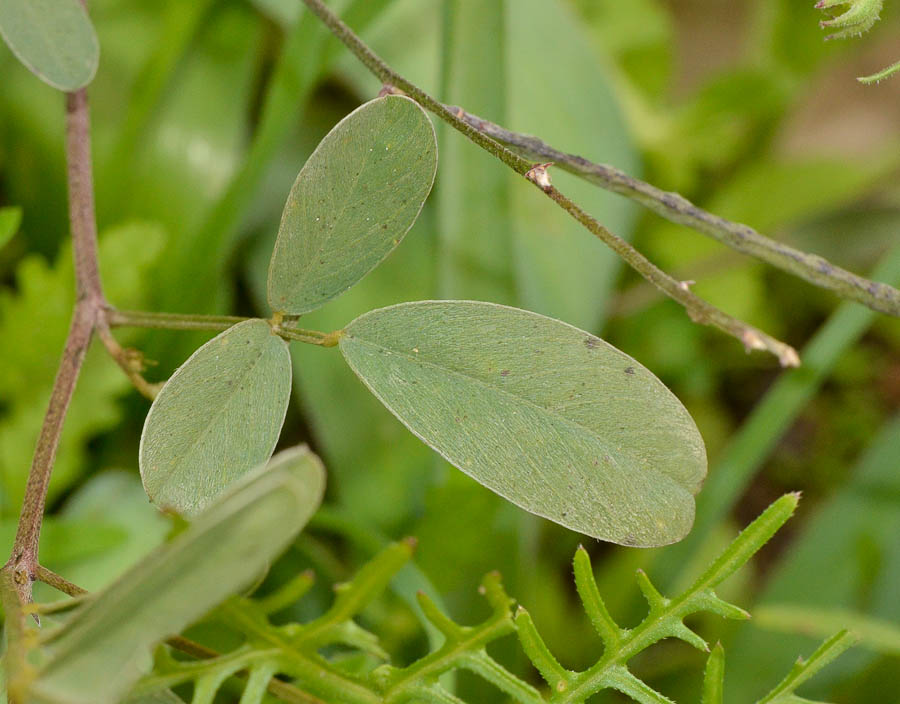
(884, 73)
(699, 310)
(215, 323)
(17, 673)
(171, 321)
(58, 582)
(662, 622)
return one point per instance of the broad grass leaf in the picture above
(54, 39)
(99, 653)
(217, 417)
(845, 556)
(476, 219)
(355, 198)
(561, 270)
(117, 498)
(548, 416)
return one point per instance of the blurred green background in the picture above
(204, 112)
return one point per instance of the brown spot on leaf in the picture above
(504, 372)
(629, 370)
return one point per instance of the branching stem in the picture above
(170, 321)
(678, 209)
(23, 561)
(699, 310)
(283, 325)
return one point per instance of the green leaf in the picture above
(161, 696)
(846, 555)
(714, 676)
(353, 201)
(53, 38)
(10, 219)
(217, 417)
(560, 270)
(880, 635)
(99, 653)
(546, 415)
(66, 540)
(476, 220)
(803, 670)
(116, 498)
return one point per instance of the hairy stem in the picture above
(82, 219)
(23, 561)
(699, 310)
(678, 209)
(14, 630)
(282, 325)
(170, 321)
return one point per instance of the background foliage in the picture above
(203, 113)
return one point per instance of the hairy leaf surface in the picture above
(53, 38)
(96, 656)
(218, 416)
(548, 416)
(355, 198)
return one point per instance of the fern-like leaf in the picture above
(298, 651)
(852, 18)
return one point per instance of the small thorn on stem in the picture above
(538, 174)
(686, 284)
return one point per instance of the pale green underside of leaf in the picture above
(548, 416)
(217, 417)
(355, 198)
(54, 39)
(101, 651)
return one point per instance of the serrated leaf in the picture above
(548, 416)
(99, 653)
(54, 39)
(217, 417)
(355, 198)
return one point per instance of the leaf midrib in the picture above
(216, 415)
(528, 402)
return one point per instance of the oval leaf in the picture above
(548, 416)
(218, 416)
(105, 646)
(53, 38)
(355, 198)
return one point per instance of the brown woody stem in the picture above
(89, 307)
